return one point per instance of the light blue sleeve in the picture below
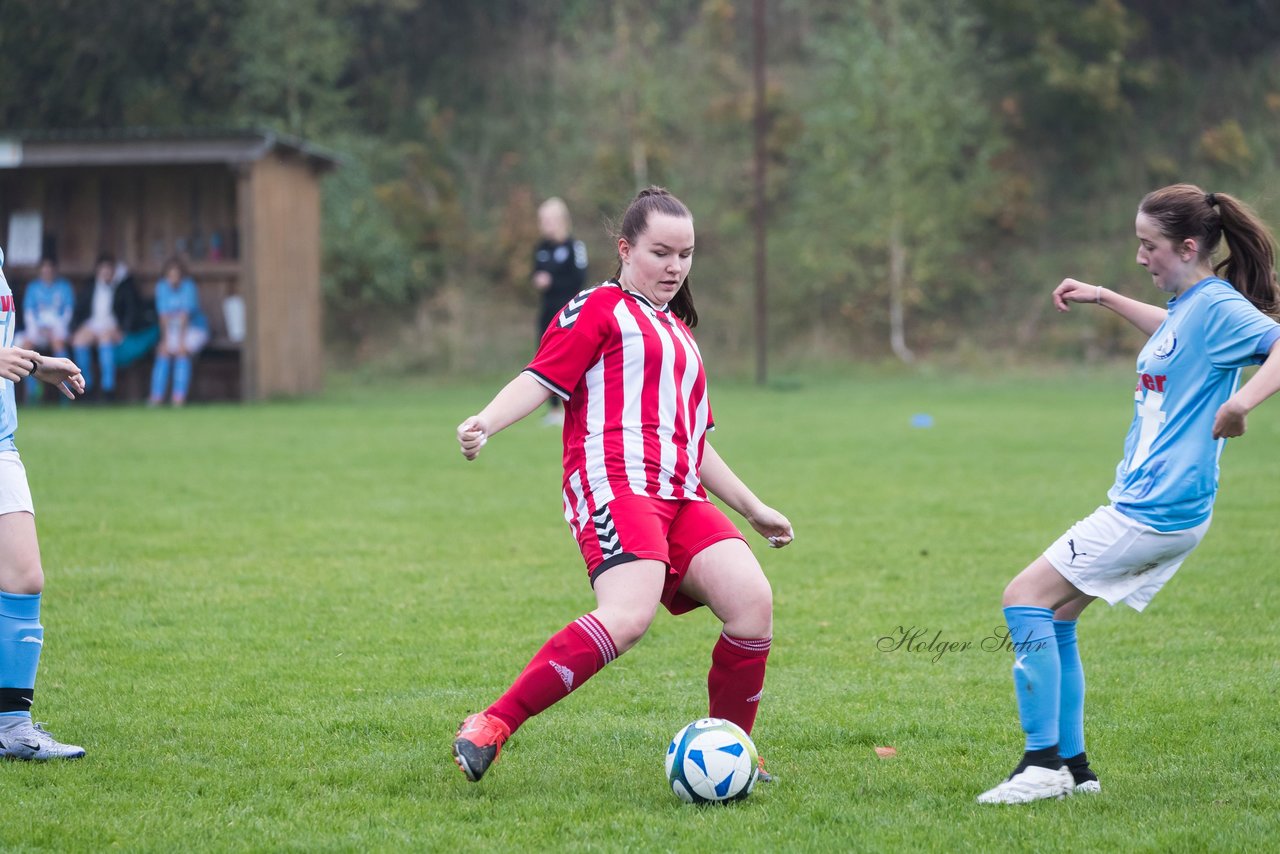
(190, 297)
(65, 299)
(30, 305)
(1237, 334)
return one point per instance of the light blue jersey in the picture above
(182, 298)
(48, 304)
(1186, 371)
(8, 407)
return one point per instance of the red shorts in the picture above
(638, 527)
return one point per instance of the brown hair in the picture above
(1185, 211)
(634, 222)
(174, 261)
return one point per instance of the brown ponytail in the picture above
(1185, 211)
(634, 222)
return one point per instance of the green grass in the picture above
(265, 623)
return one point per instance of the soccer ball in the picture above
(711, 761)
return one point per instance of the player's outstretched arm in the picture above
(1229, 421)
(517, 399)
(1142, 315)
(17, 363)
(729, 488)
(63, 373)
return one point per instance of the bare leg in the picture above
(728, 579)
(20, 570)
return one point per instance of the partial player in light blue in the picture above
(1187, 370)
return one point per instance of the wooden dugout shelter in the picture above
(242, 207)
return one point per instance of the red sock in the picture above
(736, 680)
(572, 656)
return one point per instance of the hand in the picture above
(541, 280)
(1072, 290)
(63, 373)
(772, 525)
(1228, 422)
(16, 364)
(472, 434)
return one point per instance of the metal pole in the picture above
(761, 129)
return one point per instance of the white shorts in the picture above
(100, 326)
(1113, 557)
(192, 339)
(15, 495)
(42, 337)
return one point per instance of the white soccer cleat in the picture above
(1088, 787)
(1032, 783)
(32, 742)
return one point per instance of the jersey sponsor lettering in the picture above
(1152, 383)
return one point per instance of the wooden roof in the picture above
(153, 147)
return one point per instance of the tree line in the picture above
(934, 167)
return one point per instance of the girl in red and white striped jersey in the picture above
(637, 469)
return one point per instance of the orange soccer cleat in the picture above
(477, 744)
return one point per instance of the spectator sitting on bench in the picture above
(183, 333)
(109, 314)
(46, 325)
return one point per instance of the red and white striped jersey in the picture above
(635, 393)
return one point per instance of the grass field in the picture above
(264, 624)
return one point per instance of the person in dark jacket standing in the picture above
(559, 272)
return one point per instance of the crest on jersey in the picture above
(1166, 346)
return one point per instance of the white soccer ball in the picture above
(711, 761)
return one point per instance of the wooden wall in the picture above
(141, 215)
(280, 209)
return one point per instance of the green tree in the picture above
(898, 158)
(68, 64)
(292, 57)
(372, 262)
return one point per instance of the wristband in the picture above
(1098, 298)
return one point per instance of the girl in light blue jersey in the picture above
(1186, 404)
(183, 333)
(47, 305)
(21, 576)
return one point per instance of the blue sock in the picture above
(1071, 704)
(107, 362)
(1036, 673)
(84, 360)
(160, 377)
(21, 639)
(181, 377)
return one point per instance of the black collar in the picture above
(664, 308)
